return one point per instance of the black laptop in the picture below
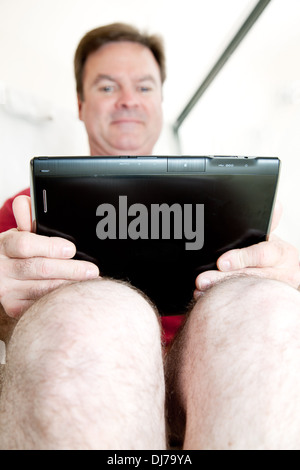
(156, 222)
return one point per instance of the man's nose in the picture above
(127, 98)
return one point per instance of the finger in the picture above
(26, 293)
(277, 213)
(22, 212)
(35, 290)
(264, 254)
(15, 244)
(206, 280)
(15, 309)
(47, 268)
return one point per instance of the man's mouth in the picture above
(127, 125)
(127, 118)
(127, 121)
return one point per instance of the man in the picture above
(84, 363)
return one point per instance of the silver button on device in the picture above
(45, 201)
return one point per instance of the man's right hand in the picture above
(32, 265)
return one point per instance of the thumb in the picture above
(277, 213)
(22, 213)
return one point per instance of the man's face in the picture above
(122, 92)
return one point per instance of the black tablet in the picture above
(156, 222)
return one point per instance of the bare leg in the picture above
(84, 371)
(238, 380)
(7, 326)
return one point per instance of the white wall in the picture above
(253, 107)
(31, 127)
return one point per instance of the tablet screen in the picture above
(156, 231)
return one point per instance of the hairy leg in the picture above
(84, 371)
(7, 325)
(233, 372)
(2, 369)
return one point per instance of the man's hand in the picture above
(32, 265)
(273, 259)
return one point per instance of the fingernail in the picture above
(204, 284)
(92, 273)
(224, 265)
(68, 251)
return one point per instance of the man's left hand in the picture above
(273, 259)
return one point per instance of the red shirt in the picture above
(170, 324)
(7, 219)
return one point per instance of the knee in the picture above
(240, 351)
(101, 308)
(248, 304)
(102, 301)
(81, 353)
(83, 321)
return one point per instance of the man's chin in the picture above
(130, 147)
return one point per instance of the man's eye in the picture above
(145, 89)
(107, 89)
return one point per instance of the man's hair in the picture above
(116, 32)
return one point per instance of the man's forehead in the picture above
(117, 45)
(102, 77)
(118, 57)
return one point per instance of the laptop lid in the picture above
(156, 222)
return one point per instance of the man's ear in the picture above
(79, 103)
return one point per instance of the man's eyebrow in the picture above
(147, 78)
(102, 76)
